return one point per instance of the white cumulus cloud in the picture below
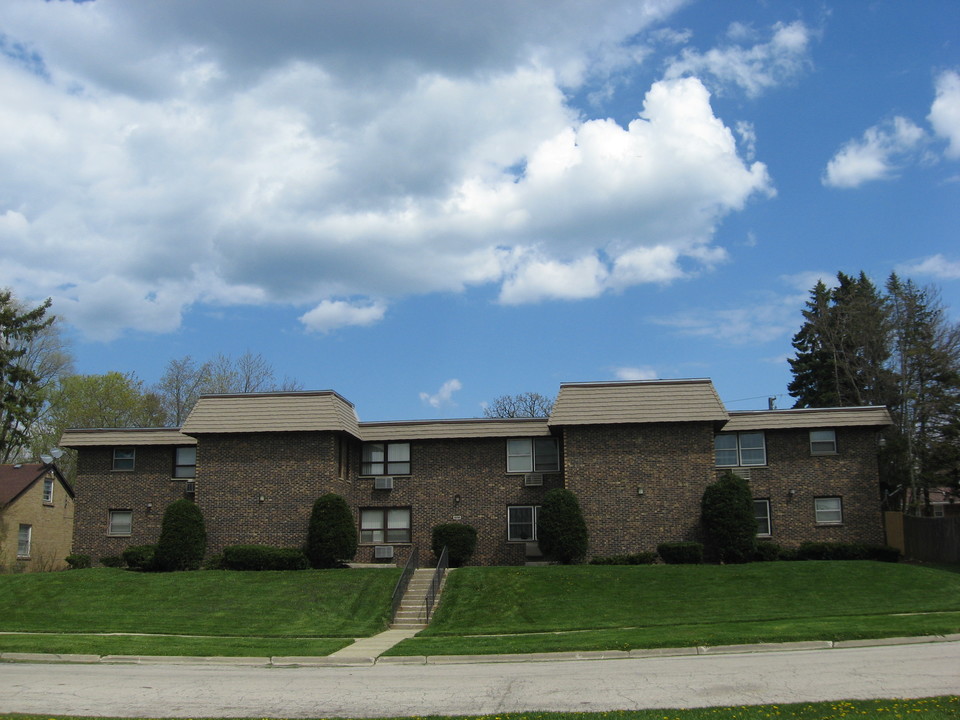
(945, 112)
(332, 314)
(875, 156)
(936, 266)
(443, 396)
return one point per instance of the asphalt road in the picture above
(398, 690)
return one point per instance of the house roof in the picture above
(438, 429)
(15, 479)
(807, 418)
(93, 437)
(648, 401)
(272, 412)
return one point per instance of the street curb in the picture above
(330, 661)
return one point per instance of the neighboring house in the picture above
(638, 455)
(36, 517)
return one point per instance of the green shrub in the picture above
(183, 538)
(767, 552)
(726, 512)
(644, 558)
(847, 551)
(263, 557)
(883, 553)
(332, 533)
(139, 557)
(114, 561)
(681, 553)
(78, 562)
(459, 539)
(214, 562)
(561, 530)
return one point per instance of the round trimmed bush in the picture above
(139, 557)
(561, 529)
(459, 539)
(729, 525)
(183, 538)
(681, 553)
(332, 533)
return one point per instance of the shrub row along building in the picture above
(638, 456)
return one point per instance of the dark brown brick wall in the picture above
(851, 474)
(607, 465)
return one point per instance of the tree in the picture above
(527, 404)
(22, 382)
(561, 530)
(183, 538)
(729, 525)
(110, 400)
(332, 533)
(180, 387)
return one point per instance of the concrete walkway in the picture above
(368, 649)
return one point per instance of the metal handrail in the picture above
(401, 588)
(435, 584)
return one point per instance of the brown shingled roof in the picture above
(272, 412)
(637, 402)
(94, 437)
(807, 418)
(14, 479)
(430, 429)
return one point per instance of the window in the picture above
(23, 542)
(533, 455)
(385, 459)
(828, 510)
(123, 458)
(391, 525)
(48, 491)
(740, 449)
(761, 511)
(823, 442)
(121, 522)
(185, 462)
(522, 523)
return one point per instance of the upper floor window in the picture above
(185, 462)
(740, 449)
(823, 442)
(123, 458)
(828, 510)
(385, 458)
(48, 490)
(533, 455)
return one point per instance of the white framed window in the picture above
(48, 491)
(533, 455)
(185, 462)
(24, 540)
(741, 449)
(385, 458)
(120, 522)
(385, 525)
(828, 510)
(124, 458)
(522, 523)
(823, 442)
(761, 511)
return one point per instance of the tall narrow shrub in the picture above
(561, 529)
(332, 533)
(729, 525)
(459, 539)
(183, 538)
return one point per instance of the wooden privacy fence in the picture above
(931, 539)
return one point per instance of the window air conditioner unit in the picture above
(533, 479)
(383, 552)
(190, 487)
(383, 483)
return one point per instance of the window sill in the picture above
(121, 470)
(115, 535)
(398, 543)
(828, 524)
(824, 454)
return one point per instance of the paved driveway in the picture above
(396, 690)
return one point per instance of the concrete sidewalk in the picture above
(367, 652)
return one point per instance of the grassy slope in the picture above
(668, 606)
(313, 603)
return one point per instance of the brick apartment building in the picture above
(638, 455)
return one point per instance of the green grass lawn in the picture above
(253, 613)
(507, 610)
(935, 708)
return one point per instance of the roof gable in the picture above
(17, 479)
(808, 418)
(638, 402)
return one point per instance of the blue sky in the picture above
(425, 205)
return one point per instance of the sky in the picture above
(426, 205)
